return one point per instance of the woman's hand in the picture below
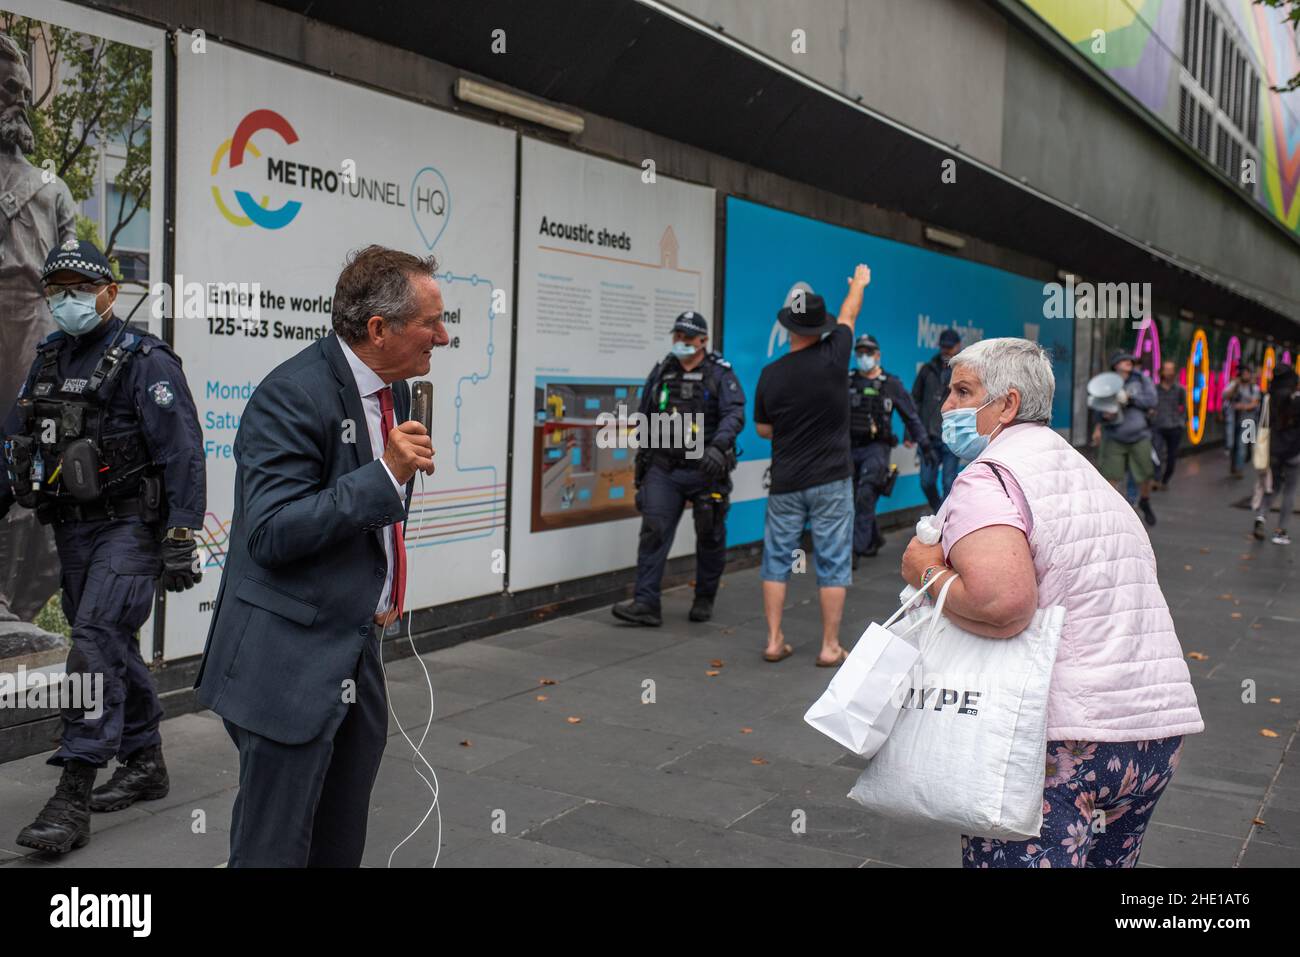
(917, 558)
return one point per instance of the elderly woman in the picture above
(1029, 524)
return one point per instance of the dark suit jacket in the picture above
(305, 561)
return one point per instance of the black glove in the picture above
(640, 467)
(930, 455)
(180, 565)
(714, 462)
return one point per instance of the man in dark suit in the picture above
(316, 567)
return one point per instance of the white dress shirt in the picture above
(369, 386)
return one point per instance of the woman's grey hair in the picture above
(1005, 364)
(377, 282)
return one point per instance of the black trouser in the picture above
(661, 500)
(1170, 439)
(306, 805)
(110, 572)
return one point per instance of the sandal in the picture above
(837, 662)
(786, 652)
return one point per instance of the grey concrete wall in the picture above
(1072, 140)
(934, 65)
(958, 71)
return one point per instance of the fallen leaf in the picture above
(758, 761)
(1236, 614)
(1187, 568)
(1205, 551)
(1198, 656)
(1274, 700)
(541, 697)
(1267, 733)
(716, 662)
(1258, 624)
(746, 730)
(573, 720)
(546, 681)
(1227, 596)
(1259, 822)
(467, 744)
(713, 674)
(1246, 558)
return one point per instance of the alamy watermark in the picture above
(658, 430)
(39, 690)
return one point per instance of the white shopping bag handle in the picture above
(938, 611)
(908, 604)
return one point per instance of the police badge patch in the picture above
(162, 394)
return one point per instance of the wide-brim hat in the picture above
(811, 320)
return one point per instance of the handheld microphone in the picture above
(422, 404)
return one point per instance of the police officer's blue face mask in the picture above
(683, 350)
(75, 312)
(865, 362)
(961, 434)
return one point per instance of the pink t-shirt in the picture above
(978, 500)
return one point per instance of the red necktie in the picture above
(399, 548)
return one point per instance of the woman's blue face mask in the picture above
(961, 434)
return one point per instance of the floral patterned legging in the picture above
(1097, 800)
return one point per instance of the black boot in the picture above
(64, 822)
(637, 614)
(702, 609)
(1145, 505)
(142, 778)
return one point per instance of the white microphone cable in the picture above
(415, 748)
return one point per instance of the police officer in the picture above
(874, 395)
(104, 444)
(689, 381)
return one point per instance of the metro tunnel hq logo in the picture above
(254, 213)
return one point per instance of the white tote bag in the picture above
(968, 749)
(1259, 454)
(861, 704)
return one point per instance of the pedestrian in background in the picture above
(801, 404)
(1125, 436)
(1242, 396)
(1169, 422)
(928, 393)
(1284, 452)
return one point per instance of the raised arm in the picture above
(852, 305)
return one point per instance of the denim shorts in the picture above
(829, 509)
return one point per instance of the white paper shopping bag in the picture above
(862, 702)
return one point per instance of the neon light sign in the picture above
(1198, 386)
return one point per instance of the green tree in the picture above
(1292, 10)
(99, 91)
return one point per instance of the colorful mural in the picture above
(1142, 50)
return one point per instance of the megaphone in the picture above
(1103, 390)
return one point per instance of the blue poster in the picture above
(914, 295)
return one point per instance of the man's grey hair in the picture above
(376, 281)
(1005, 364)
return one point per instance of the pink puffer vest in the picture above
(1119, 673)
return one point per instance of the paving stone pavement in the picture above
(714, 771)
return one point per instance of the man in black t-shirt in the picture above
(802, 406)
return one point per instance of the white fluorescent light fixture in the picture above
(943, 238)
(1187, 313)
(520, 107)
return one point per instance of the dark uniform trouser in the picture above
(661, 501)
(307, 805)
(870, 469)
(110, 571)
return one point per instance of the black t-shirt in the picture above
(803, 397)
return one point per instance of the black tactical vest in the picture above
(871, 412)
(694, 392)
(56, 414)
